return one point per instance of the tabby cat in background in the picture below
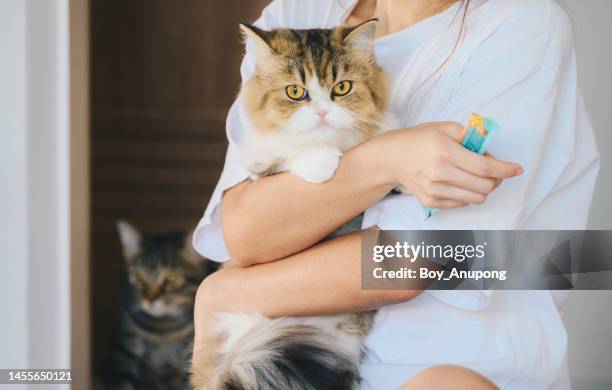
(154, 341)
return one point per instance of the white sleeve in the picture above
(526, 79)
(524, 75)
(208, 235)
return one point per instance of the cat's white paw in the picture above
(315, 165)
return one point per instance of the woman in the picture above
(512, 60)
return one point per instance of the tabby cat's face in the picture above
(159, 283)
(162, 277)
(315, 79)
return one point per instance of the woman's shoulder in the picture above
(302, 14)
(529, 15)
(532, 27)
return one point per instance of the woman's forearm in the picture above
(276, 216)
(322, 280)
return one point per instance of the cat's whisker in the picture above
(381, 125)
(367, 131)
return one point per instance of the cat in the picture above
(314, 94)
(155, 338)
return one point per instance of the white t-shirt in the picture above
(515, 63)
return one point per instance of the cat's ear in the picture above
(189, 252)
(130, 239)
(362, 35)
(260, 37)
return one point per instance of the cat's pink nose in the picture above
(322, 114)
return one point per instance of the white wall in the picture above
(588, 319)
(48, 183)
(588, 315)
(13, 174)
(593, 31)
(35, 179)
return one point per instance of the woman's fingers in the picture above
(497, 181)
(456, 194)
(452, 129)
(435, 203)
(483, 166)
(459, 178)
(486, 166)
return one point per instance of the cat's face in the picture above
(157, 287)
(162, 278)
(309, 80)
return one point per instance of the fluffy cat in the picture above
(314, 94)
(154, 340)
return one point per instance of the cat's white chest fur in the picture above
(313, 156)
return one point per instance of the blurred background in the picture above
(163, 75)
(114, 109)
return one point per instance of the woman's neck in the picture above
(396, 15)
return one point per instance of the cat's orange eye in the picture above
(138, 278)
(172, 279)
(342, 88)
(296, 92)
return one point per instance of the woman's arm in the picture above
(322, 280)
(274, 217)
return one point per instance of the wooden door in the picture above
(164, 73)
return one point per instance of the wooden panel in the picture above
(163, 76)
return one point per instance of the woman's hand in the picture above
(427, 162)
